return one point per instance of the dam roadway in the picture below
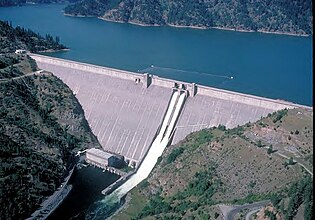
(125, 109)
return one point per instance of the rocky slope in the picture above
(293, 17)
(42, 126)
(254, 162)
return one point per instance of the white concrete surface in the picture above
(157, 147)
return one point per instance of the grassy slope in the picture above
(243, 168)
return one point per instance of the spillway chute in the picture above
(159, 144)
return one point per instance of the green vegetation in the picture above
(175, 153)
(25, 178)
(136, 203)
(270, 150)
(276, 16)
(277, 116)
(225, 166)
(290, 200)
(204, 136)
(222, 127)
(203, 186)
(37, 150)
(155, 206)
(36, 111)
(6, 3)
(299, 192)
(270, 215)
(239, 131)
(259, 144)
(250, 198)
(199, 138)
(21, 38)
(291, 161)
(94, 8)
(13, 65)
(310, 158)
(127, 169)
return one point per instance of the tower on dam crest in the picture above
(147, 80)
(125, 109)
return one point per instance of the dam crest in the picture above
(125, 110)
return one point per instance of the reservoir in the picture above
(268, 65)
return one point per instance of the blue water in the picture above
(268, 65)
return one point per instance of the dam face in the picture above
(205, 111)
(121, 113)
(125, 110)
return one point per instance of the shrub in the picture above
(270, 150)
(221, 127)
(291, 161)
(259, 144)
(216, 215)
(279, 115)
(174, 154)
(270, 214)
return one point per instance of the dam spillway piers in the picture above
(125, 109)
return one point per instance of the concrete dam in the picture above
(125, 110)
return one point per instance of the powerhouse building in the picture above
(102, 159)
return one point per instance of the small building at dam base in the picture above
(102, 159)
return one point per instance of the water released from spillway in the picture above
(103, 208)
(157, 147)
(110, 203)
(269, 65)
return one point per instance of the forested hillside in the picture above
(273, 16)
(6, 3)
(21, 38)
(42, 126)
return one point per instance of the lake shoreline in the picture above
(193, 27)
(53, 51)
(180, 26)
